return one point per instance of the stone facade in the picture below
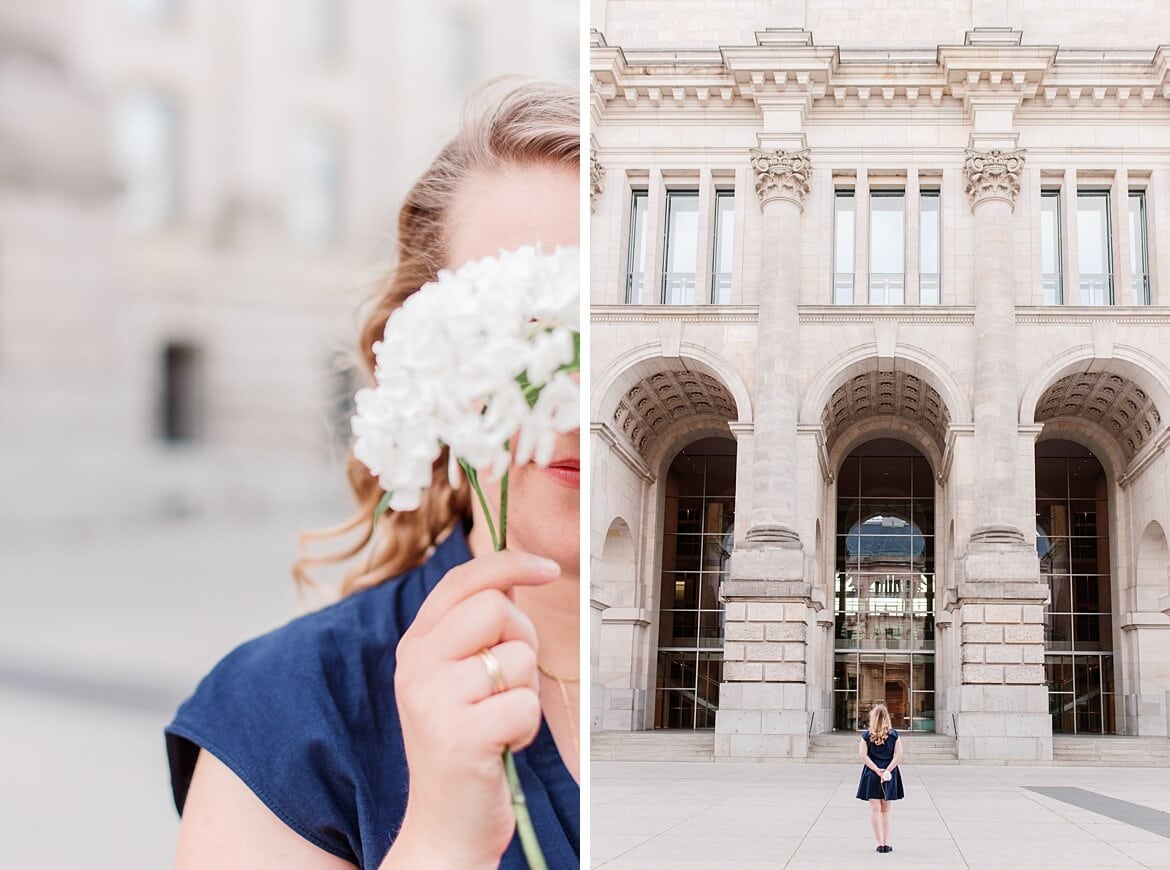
(89, 302)
(782, 112)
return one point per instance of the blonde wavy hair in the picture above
(879, 724)
(508, 123)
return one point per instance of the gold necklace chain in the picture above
(553, 676)
(562, 683)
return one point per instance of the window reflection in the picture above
(884, 587)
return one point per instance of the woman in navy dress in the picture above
(369, 733)
(880, 751)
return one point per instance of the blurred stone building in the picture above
(193, 197)
(881, 375)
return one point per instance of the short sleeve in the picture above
(267, 712)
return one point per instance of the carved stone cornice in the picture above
(781, 175)
(596, 177)
(993, 175)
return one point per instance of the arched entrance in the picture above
(884, 586)
(1073, 540)
(697, 534)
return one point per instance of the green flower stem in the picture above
(473, 479)
(503, 512)
(528, 841)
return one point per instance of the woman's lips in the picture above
(566, 472)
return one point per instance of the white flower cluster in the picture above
(450, 369)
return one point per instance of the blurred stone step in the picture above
(660, 745)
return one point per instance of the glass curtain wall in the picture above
(884, 587)
(1072, 540)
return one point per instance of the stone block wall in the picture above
(763, 702)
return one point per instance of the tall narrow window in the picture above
(682, 237)
(698, 531)
(1094, 250)
(146, 150)
(315, 214)
(1074, 542)
(929, 236)
(636, 261)
(1139, 259)
(1052, 273)
(724, 244)
(843, 229)
(887, 247)
(320, 26)
(179, 399)
(151, 10)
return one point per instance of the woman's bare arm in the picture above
(863, 756)
(226, 826)
(897, 754)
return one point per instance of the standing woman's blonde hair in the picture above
(879, 724)
(508, 125)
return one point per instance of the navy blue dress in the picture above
(871, 786)
(305, 716)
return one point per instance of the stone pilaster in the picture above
(763, 703)
(1003, 702)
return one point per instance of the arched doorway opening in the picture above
(884, 586)
(697, 535)
(1073, 541)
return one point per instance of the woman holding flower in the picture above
(370, 733)
(880, 751)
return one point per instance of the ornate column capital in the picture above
(596, 177)
(781, 175)
(992, 175)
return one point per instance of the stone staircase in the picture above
(1109, 750)
(652, 745)
(840, 747)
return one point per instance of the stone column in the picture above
(763, 703)
(782, 180)
(993, 183)
(1003, 701)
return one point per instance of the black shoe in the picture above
(889, 848)
(880, 849)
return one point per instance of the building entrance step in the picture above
(920, 747)
(1110, 750)
(658, 745)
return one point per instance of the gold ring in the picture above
(494, 671)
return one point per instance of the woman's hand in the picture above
(455, 724)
